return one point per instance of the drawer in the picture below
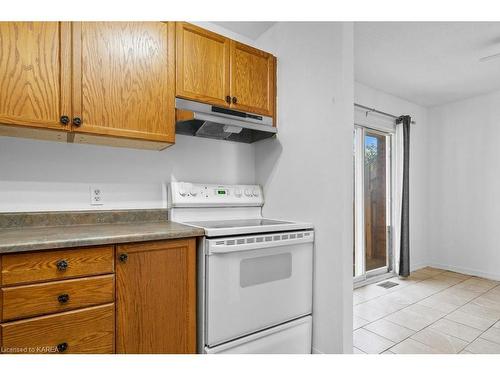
(56, 296)
(24, 268)
(89, 330)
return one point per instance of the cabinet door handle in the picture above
(77, 121)
(235, 100)
(123, 257)
(63, 298)
(64, 120)
(228, 99)
(62, 347)
(62, 265)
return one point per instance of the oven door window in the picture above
(265, 269)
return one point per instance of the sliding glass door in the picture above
(372, 203)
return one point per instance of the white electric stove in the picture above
(254, 274)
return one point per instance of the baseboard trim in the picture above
(467, 271)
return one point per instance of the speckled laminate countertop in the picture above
(29, 238)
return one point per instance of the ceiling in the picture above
(428, 63)
(251, 30)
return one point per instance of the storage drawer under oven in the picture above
(255, 282)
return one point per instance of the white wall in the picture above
(419, 163)
(307, 171)
(43, 175)
(464, 204)
(48, 176)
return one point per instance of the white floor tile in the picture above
(455, 329)
(473, 308)
(415, 317)
(439, 302)
(388, 303)
(482, 346)
(358, 322)
(440, 341)
(470, 320)
(389, 330)
(370, 342)
(477, 285)
(457, 275)
(410, 346)
(432, 311)
(367, 312)
(492, 334)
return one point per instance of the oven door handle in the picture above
(232, 245)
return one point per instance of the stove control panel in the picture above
(186, 194)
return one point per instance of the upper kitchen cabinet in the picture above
(216, 70)
(252, 79)
(202, 65)
(124, 82)
(35, 75)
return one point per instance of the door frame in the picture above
(360, 273)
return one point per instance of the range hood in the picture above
(205, 120)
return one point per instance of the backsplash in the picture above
(52, 176)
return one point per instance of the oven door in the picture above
(255, 282)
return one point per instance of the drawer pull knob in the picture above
(62, 265)
(123, 257)
(64, 120)
(63, 298)
(77, 121)
(62, 347)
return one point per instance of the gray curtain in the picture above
(404, 256)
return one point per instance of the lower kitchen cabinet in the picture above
(156, 297)
(85, 331)
(80, 301)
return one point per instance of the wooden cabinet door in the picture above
(84, 331)
(202, 65)
(252, 79)
(156, 297)
(124, 79)
(35, 73)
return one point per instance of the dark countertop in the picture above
(25, 238)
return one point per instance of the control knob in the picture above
(255, 193)
(182, 190)
(248, 193)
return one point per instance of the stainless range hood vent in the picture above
(221, 123)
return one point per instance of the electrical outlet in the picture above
(96, 196)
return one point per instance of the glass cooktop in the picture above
(214, 224)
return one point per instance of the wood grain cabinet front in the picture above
(156, 297)
(252, 79)
(109, 83)
(202, 65)
(89, 330)
(124, 80)
(216, 70)
(30, 267)
(57, 296)
(35, 76)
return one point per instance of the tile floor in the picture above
(433, 311)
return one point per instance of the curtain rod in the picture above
(368, 110)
